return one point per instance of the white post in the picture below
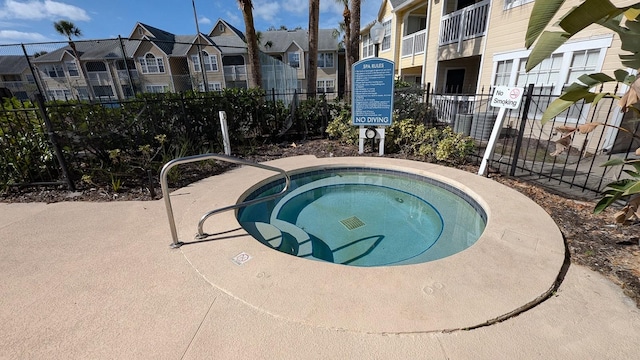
(225, 132)
(380, 132)
(488, 152)
(361, 140)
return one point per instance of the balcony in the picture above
(235, 72)
(13, 85)
(413, 44)
(464, 24)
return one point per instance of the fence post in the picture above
(523, 124)
(33, 72)
(54, 142)
(427, 92)
(126, 66)
(275, 106)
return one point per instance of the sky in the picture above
(29, 21)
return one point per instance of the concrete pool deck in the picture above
(98, 280)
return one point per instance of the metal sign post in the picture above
(504, 97)
(372, 99)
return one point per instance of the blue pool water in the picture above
(364, 217)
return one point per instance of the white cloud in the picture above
(204, 20)
(299, 6)
(64, 10)
(332, 7)
(233, 19)
(40, 10)
(267, 11)
(14, 36)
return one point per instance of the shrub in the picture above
(340, 128)
(412, 138)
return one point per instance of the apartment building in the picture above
(292, 48)
(467, 46)
(16, 78)
(150, 60)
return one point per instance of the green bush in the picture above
(340, 128)
(25, 153)
(411, 138)
(414, 139)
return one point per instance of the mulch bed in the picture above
(593, 240)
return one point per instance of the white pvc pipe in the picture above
(225, 133)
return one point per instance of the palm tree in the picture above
(314, 18)
(255, 80)
(68, 29)
(346, 27)
(355, 31)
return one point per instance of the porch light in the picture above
(376, 33)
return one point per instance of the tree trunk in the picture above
(255, 80)
(346, 14)
(355, 31)
(312, 71)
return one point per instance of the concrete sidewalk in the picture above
(99, 281)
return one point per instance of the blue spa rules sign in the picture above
(372, 98)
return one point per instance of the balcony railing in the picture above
(464, 24)
(13, 85)
(235, 72)
(449, 106)
(413, 44)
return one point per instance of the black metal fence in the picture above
(527, 149)
(67, 142)
(126, 141)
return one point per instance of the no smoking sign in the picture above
(507, 97)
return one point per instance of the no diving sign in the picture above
(507, 97)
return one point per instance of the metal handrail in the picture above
(189, 159)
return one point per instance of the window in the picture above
(54, 71)
(547, 73)
(213, 86)
(121, 65)
(368, 47)
(386, 41)
(157, 88)
(583, 62)
(325, 60)
(325, 86)
(127, 91)
(72, 68)
(503, 72)
(151, 65)
(553, 74)
(210, 62)
(508, 4)
(83, 93)
(30, 79)
(294, 59)
(58, 94)
(21, 95)
(103, 91)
